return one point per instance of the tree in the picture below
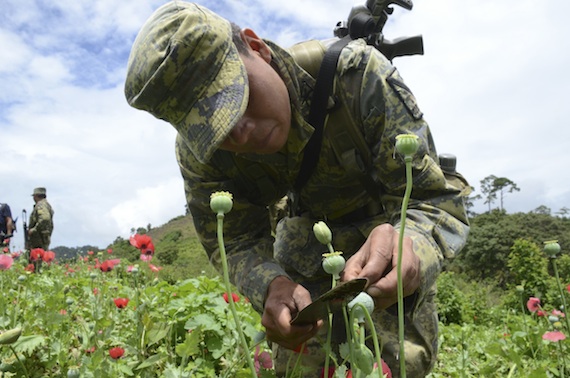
(488, 191)
(491, 185)
(469, 203)
(542, 210)
(503, 184)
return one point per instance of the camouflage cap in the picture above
(39, 191)
(185, 69)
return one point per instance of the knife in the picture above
(330, 301)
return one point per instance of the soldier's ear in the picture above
(256, 44)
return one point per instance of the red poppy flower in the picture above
(541, 313)
(36, 254)
(109, 251)
(554, 336)
(48, 256)
(235, 297)
(6, 262)
(533, 304)
(116, 352)
(142, 242)
(90, 252)
(30, 268)
(90, 350)
(95, 291)
(568, 288)
(121, 302)
(108, 265)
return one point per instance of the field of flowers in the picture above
(100, 317)
(96, 317)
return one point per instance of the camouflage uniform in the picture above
(383, 108)
(184, 69)
(41, 225)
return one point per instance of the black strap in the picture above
(318, 111)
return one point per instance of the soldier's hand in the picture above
(284, 299)
(377, 260)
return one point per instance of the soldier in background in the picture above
(41, 221)
(7, 226)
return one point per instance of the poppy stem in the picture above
(220, 217)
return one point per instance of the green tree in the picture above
(528, 267)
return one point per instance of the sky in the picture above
(492, 84)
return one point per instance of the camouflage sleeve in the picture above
(436, 217)
(247, 233)
(42, 219)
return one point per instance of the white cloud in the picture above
(492, 84)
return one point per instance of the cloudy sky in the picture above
(492, 84)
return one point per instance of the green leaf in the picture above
(28, 344)
(157, 332)
(190, 346)
(152, 360)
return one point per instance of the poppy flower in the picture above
(262, 360)
(146, 258)
(533, 304)
(116, 352)
(154, 268)
(121, 302)
(142, 242)
(108, 265)
(48, 256)
(90, 253)
(568, 288)
(30, 268)
(553, 336)
(6, 262)
(90, 350)
(36, 254)
(558, 313)
(235, 297)
(109, 251)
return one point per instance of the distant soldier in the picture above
(7, 227)
(41, 221)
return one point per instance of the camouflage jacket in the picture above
(382, 107)
(41, 218)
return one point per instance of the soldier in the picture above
(6, 224)
(41, 221)
(240, 105)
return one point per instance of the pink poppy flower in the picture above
(262, 360)
(154, 268)
(558, 313)
(6, 262)
(533, 304)
(554, 336)
(109, 251)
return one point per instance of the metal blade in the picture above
(331, 301)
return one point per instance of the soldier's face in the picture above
(265, 126)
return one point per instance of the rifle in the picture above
(25, 228)
(368, 21)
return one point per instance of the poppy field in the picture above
(99, 316)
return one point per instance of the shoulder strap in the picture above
(317, 113)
